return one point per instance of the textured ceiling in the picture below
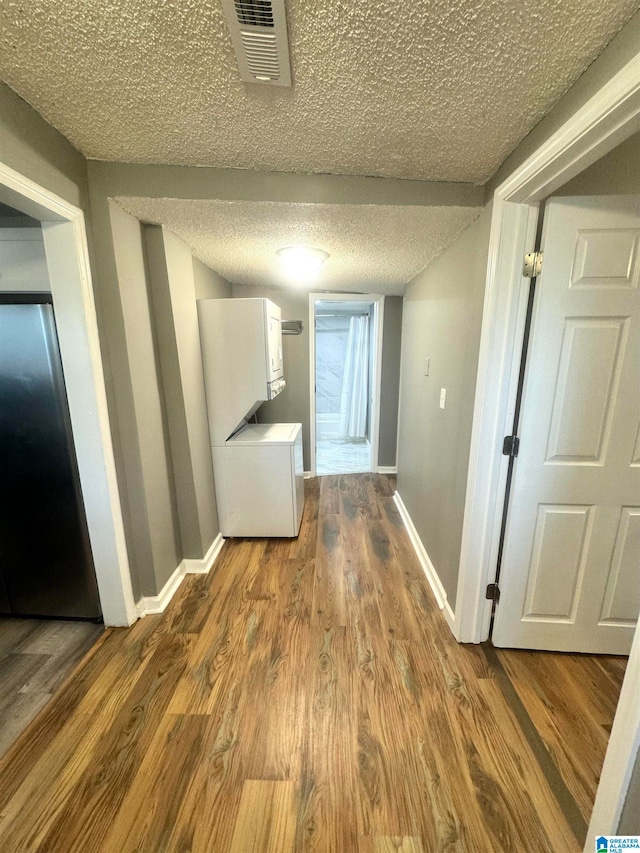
(372, 248)
(430, 89)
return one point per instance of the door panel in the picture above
(591, 354)
(570, 579)
(635, 461)
(606, 258)
(562, 535)
(622, 595)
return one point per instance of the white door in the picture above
(570, 577)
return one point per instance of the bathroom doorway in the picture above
(345, 362)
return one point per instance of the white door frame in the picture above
(65, 241)
(377, 302)
(608, 118)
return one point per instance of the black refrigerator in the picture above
(46, 566)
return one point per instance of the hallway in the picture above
(306, 695)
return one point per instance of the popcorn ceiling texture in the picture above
(428, 89)
(371, 247)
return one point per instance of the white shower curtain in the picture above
(355, 382)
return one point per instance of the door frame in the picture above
(607, 119)
(67, 255)
(377, 302)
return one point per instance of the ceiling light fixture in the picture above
(302, 262)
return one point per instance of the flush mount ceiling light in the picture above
(301, 262)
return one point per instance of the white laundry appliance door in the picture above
(257, 485)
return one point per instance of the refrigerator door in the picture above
(45, 556)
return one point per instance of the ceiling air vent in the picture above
(259, 34)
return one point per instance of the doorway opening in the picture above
(569, 598)
(346, 353)
(54, 258)
(609, 117)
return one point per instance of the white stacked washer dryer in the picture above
(257, 468)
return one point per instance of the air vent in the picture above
(254, 13)
(258, 31)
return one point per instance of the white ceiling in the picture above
(372, 248)
(427, 89)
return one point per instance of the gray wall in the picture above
(442, 322)
(420, 470)
(34, 148)
(160, 436)
(171, 271)
(390, 381)
(293, 404)
(208, 283)
(630, 817)
(139, 402)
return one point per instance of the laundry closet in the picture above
(258, 468)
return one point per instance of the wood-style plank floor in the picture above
(571, 700)
(36, 656)
(307, 695)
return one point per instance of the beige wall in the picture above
(23, 264)
(617, 173)
(172, 280)
(620, 50)
(208, 283)
(442, 321)
(32, 147)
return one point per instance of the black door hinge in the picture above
(510, 445)
(493, 592)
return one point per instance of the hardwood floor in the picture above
(571, 700)
(36, 656)
(307, 695)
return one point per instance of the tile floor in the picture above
(337, 456)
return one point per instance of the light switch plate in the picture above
(443, 397)
(427, 363)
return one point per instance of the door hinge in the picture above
(510, 445)
(493, 592)
(532, 266)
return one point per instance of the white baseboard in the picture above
(382, 469)
(201, 567)
(149, 604)
(307, 475)
(424, 560)
(450, 616)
